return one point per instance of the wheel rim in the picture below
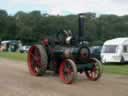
(34, 60)
(96, 71)
(66, 72)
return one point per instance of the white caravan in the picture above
(115, 50)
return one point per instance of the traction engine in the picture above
(65, 56)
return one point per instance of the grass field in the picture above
(109, 68)
(14, 56)
(116, 69)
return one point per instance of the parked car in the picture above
(96, 51)
(10, 45)
(115, 50)
(24, 49)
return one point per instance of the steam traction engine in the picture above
(66, 56)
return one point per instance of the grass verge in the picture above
(14, 56)
(116, 69)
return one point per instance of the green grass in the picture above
(14, 56)
(116, 69)
(109, 69)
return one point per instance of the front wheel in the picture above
(96, 71)
(68, 71)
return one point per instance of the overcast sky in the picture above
(64, 7)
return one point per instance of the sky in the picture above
(65, 7)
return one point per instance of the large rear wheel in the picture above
(68, 71)
(97, 70)
(37, 60)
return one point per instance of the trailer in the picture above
(115, 51)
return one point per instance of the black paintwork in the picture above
(57, 50)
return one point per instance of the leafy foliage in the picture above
(34, 26)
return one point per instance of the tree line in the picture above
(33, 26)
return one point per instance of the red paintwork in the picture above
(34, 57)
(45, 42)
(68, 72)
(92, 74)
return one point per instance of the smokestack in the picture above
(81, 26)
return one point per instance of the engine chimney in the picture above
(81, 26)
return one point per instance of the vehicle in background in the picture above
(24, 49)
(115, 51)
(10, 45)
(96, 51)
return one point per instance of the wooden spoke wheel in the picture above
(97, 70)
(37, 60)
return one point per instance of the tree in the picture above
(34, 26)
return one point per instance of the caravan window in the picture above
(110, 48)
(125, 48)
